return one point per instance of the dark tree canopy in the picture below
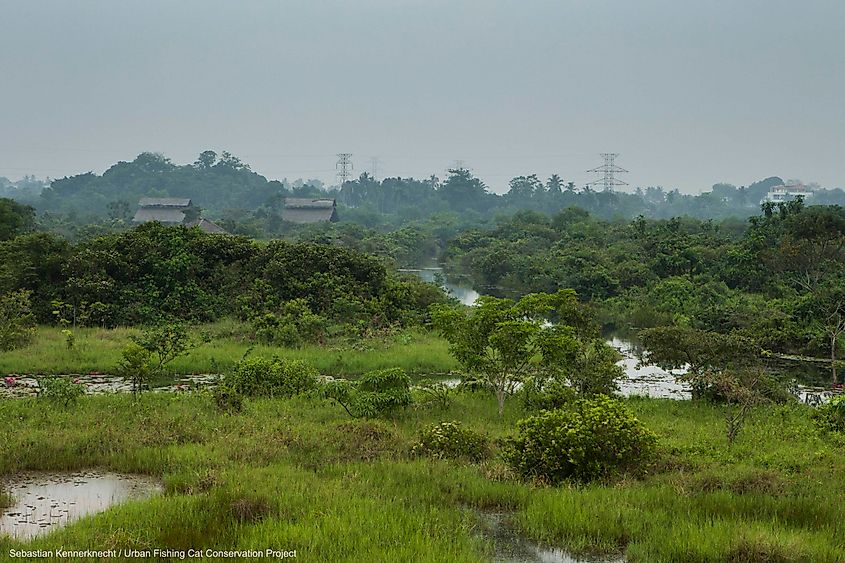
(15, 219)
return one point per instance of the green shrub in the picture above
(589, 439)
(472, 384)
(136, 365)
(227, 399)
(438, 393)
(165, 343)
(272, 330)
(384, 390)
(377, 393)
(539, 394)
(290, 325)
(258, 377)
(830, 417)
(449, 440)
(59, 390)
(595, 371)
(17, 323)
(766, 387)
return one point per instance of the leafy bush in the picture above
(589, 439)
(136, 366)
(473, 384)
(594, 370)
(290, 325)
(545, 394)
(227, 399)
(439, 393)
(165, 343)
(830, 417)
(383, 390)
(59, 390)
(17, 323)
(258, 377)
(377, 393)
(70, 338)
(766, 387)
(449, 440)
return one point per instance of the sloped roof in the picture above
(309, 210)
(208, 227)
(165, 215)
(308, 203)
(313, 215)
(164, 202)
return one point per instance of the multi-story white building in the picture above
(780, 194)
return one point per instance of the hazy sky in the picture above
(690, 93)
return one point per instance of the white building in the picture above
(780, 194)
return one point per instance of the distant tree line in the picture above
(247, 203)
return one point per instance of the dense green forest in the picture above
(246, 202)
(778, 280)
(154, 273)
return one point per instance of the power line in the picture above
(374, 167)
(608, 172)
(344, 167)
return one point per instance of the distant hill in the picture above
(215, 183)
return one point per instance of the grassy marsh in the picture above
(300, 474)
(98, 350)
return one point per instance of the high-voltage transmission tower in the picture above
(374, 167)
(608, 172)
(344, 167)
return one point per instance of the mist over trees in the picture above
(26, 190)
(248, 203)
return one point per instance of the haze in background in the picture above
(688, 94)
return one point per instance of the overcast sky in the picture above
(689, 93)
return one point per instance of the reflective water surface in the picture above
(45, 501)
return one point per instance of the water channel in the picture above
(807, 380)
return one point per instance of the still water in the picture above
(649, 380)
(46, 501)
(434, 274)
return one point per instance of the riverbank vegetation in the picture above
(777, 280)
(300, 473)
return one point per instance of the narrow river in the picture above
(649, 380)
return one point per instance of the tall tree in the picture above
(15, 219)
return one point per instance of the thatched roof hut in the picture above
(166, 210)
(308, 210)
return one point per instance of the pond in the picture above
(644, 380)
(510, 546)
(806, 381)
(100, 384)
(46, 501)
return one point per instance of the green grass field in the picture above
(300, 474)
(98, 350)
